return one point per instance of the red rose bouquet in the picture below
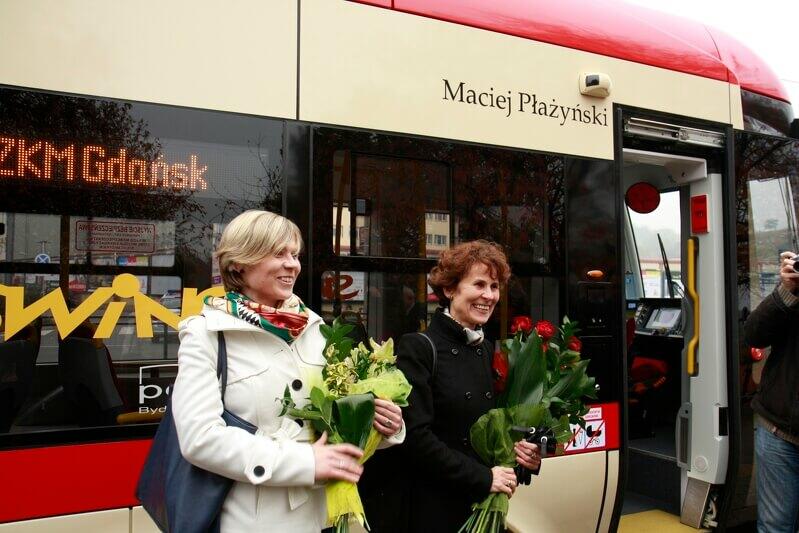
(543, 384)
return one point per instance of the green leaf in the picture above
(491, 439)
(552, 360)
(568, 357)
(568, 386)
(353, 416)
(390, 385)
(527, 376)
(287, 401)
(317, 397)
(528, 415)
(562, 430)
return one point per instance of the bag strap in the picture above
(435, 352)
(221, 362)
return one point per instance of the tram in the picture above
(638, 169)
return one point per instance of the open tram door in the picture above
(678, 421)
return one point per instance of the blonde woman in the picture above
(272, 340)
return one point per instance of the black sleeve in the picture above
(433, 456)
(770, 322)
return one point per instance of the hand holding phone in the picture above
(789, 271)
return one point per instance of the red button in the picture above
(757, 354)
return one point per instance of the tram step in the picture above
(656, 476)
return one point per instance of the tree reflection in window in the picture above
(414, 197)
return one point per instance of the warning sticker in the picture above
(601, 431)
(121, 237)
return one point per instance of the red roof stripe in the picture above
(611, 28)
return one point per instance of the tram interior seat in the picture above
(86, 373)
(654, 359)
(647, 377)
(17, 368)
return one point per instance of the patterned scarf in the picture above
(287, 322)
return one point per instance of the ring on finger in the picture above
(389, 424)
(341, 464)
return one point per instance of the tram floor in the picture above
(653, 521)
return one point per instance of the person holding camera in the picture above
(776, 404)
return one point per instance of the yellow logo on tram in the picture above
(125, 286)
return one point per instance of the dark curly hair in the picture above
(454, 263)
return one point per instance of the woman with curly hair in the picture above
(452, 388)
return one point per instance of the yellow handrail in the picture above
(693, 250)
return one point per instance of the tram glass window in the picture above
(397, 202)
(377, 209)
(96, 191)
(767, 199)
(391, 196)
(378, 304)
(664, 222)
(512, 198)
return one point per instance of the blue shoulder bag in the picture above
(178, 496)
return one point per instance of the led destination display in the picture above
(22, 158)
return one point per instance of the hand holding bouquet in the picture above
(344, 407)
(543, 382)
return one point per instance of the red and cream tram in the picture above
(653, 152)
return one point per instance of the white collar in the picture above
(473, 336)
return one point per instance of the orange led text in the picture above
(94, 164)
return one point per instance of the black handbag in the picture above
(178, 496)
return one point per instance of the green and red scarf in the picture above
(287, 322)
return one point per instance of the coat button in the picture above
(465, 441)
(489, 395)
(296, 384)
(454, 351)
(468, 395)
(300, 422)
(258, 471)
(479, 351)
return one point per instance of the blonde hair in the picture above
(248, 239)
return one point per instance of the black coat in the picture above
(776, 324)
(442, 473)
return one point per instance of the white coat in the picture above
(273, 469)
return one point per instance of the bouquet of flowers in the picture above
(542, 381)
(344, 407)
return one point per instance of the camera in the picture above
(544, 437)
(595, 84)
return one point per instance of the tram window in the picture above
(772, 230)
(382, 305)
(414, 197)
(664, 222)
(511, 198)
(131, 192)
(34, 238)
(767, 199)
(397, 203)
(378, 304)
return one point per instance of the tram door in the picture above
(677, 398)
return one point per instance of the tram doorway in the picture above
(676, 457)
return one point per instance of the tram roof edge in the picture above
(611, 28)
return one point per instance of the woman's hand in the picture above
(503, 480)
(388, 417)
(336, 461)
(527, 455)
